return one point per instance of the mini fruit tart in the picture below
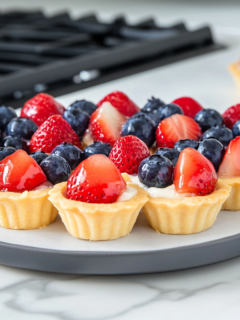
(96, 203)
(24, 194)
(182, 200)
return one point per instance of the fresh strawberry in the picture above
(19, 172)
(120, 101)
(231, 115)
(194, 173)
(189, 106)
(96, 180)
(41, 107)
(106, 124)
(127, 154)
(51, 133)
(175, 128)
(230, 166)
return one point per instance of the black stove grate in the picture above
(60, 55)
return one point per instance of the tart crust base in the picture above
(235, 70)
(96, 222)
(233, 201)
(27, 210)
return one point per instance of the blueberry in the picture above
(15, 142)
(21, 127)
(56, 169)
(187, 143)
(97, 147)
(77, 119)
(141, 126)
(168, 110)
(213, 150)
(38, 156)
(151, 109)
(156, 171)
(5, 152)
(83, 105)
(171, 154)
(6, 115)
(72, 154)
(222, 134)
(236, 129)
(208, 118)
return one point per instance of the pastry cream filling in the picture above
(128, 194)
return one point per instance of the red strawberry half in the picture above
(96, 180)
(189, 106)
(230, 166)
(175, 128)
(41, 107)
(120, 101)
(51, 133)
(106, 124)
(127, 154)
(231, 115)
(20, 172)
(194, 173)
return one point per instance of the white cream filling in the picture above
(128, 194)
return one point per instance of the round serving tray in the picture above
(143, 251)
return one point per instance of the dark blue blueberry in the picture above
(213, 150)
(141, 126)
(208, 118)
(187, 143)
(151, 109)
(21, 127)
(236, 129)
(72, 154)
(77, 119)
(83, 105)
(56, 169)
(15, 142)
(168, 110)
(5, 152)
(171, 154)
(97, 147)
(156, 171)
(6, 115)
(222, 134)
(38, 156)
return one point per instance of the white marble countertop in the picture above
(210, 292)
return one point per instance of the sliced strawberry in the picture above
(41, 107)
(120, 101)
(20, 172)
(230, 166)
(96, 180)
(189, 106)
(194, 173)
(175, 128)
(106, 124)
(54, 131)
(231, 115)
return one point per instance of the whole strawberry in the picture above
(127, 154)
(41, 107)
(54, 131)
(231, 116)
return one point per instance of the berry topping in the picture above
(21, 127)
(156, 171)
(171, 154)
(72, 154)
(15, 142)
(51, 133)
(121, 102)
(151, 109)
(5, 152)
(175, 128)
(77, 119)
(194, 173)
(213, 150)
(231, 116)
(106, 124)
(83, 105)
(189, 106)
(127, 154)
(168, 110)
(6, 115)
(97, 147)
(56, 169)
(208, 118)
(20, 172)
(230, 166)
(39, 156)
(236, 129)
(187, 143)
(141, 126)
(41, 107)
(222, 134)
(96, 180)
